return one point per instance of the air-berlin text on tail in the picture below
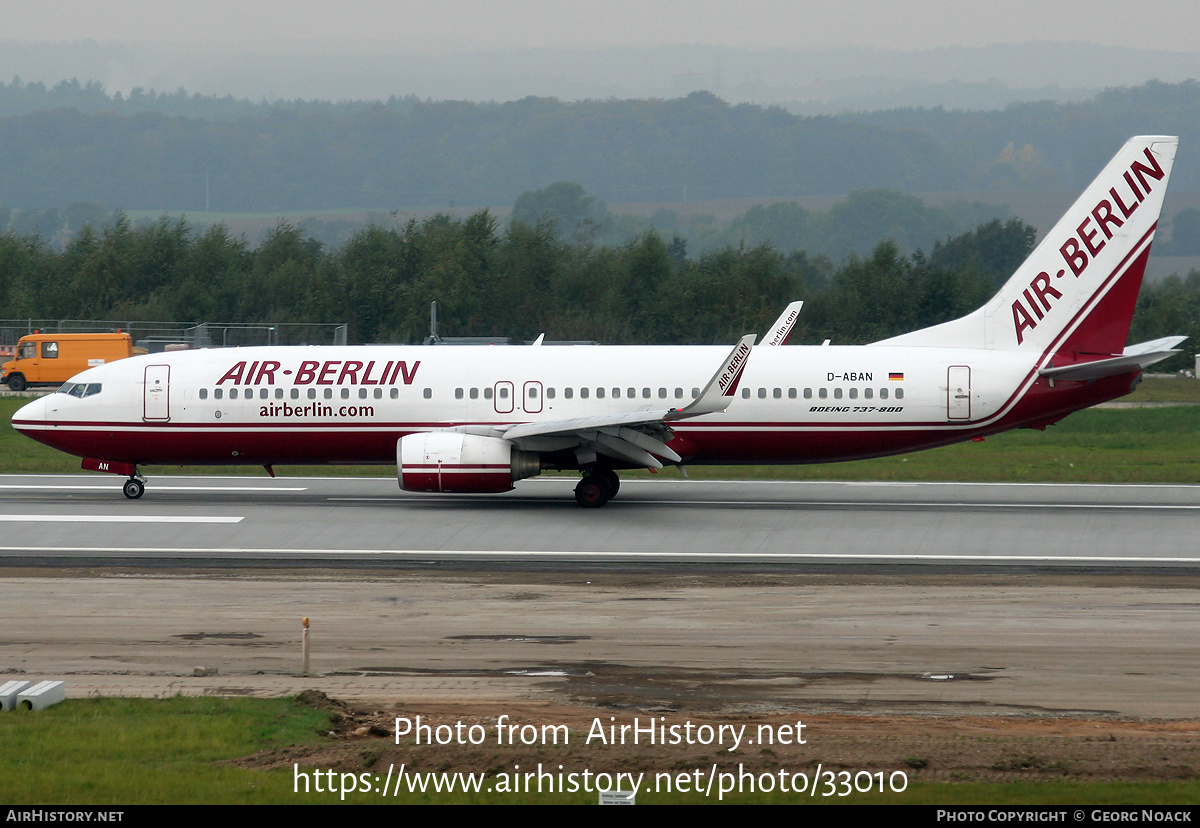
(327, 372)
(1089, 239)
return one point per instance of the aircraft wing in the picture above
(1141, 355)
(639, 437)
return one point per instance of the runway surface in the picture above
(717, 596)
(234, 520)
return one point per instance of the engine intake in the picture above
(449, 461)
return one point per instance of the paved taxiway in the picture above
(256, 520)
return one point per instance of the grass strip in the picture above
(181, 750)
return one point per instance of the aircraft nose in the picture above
(31, 413)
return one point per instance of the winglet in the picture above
(778, 333)
(718, 394)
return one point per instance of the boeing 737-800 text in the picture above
(1051, 342)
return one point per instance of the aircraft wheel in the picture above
(592, 492)
(133, 488)
(614, 482)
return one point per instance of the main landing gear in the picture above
(598, 486)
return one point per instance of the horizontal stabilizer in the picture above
(1141, 355)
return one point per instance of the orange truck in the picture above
(52, 359)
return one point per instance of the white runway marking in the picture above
(426, 554)
(117, 519)
(158, 488)
(872, 504)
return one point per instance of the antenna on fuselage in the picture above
(433, 338)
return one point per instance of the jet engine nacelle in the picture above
(449, 461)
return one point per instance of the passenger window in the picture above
(868, 393)
(264, 393)
(379, 393)
(679, 393)
(233, 393)
(762, 393)
(295, 395)
(791, 393)
(474, 393)
(777, 393)
(345, 393)
(854, 393)
(312, 393)
(662, 393)
(837, 393)
(568, 393)
(533, 392)
(599, 393)
(549, 393)
(428, 394)
(458, 393)
(617, 393)
(899, 393)
(583, 393)
(395, 393)
(487, 393)
(808, 393)
(503, 392)
(329, 393)
(822, 392)
(49, 350)
(362, 393)
(883, 393)
(745, 393)
(204, 393)
(695, 393)
(217, 393)
(279, 393)
(645, 393)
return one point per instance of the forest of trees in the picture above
(522, 281)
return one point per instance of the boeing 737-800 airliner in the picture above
(1051, 342)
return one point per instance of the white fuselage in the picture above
(290, 405)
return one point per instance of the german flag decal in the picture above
(896, 376)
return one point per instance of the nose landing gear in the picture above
(134, 487)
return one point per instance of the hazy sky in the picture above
(452, 24)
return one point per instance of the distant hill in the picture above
(186, 152)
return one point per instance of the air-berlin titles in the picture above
(329, 372)
(1080, 250)
(728, 381)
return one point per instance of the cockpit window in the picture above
(80, 389)
(65, 388)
